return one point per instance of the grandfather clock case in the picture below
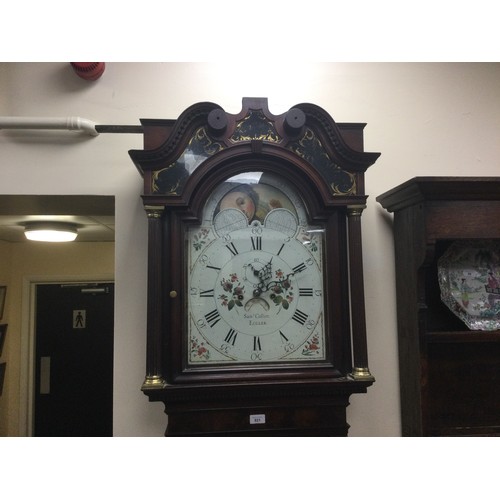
(449, 357)
(206, 359)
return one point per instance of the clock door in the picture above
(255, 277)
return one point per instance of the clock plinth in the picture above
(256, 321)
(297, 409)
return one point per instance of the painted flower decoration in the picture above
(237, 291)
(199, 350)
(200, 239)
(280, 288)
(311, 347)
(226, 285)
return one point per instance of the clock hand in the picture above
(263, 274)
(277, 283)
(255, 271)
(265, 287)
(259, 273)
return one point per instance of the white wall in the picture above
(425, 119)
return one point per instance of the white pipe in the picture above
(68, 123)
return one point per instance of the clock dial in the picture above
(255, 278)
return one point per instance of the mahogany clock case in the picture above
(186, 161)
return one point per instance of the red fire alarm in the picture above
(89, 70)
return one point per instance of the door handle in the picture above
(45, 375)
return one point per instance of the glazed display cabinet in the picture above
(447, 252)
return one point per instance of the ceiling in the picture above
(94, 216)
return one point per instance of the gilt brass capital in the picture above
(154, 212)
(362, 374)
(355, 210)
(154, 382)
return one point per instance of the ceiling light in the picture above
(50, 231)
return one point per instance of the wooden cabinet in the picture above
(449, 374)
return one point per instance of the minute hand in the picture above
(275, 283)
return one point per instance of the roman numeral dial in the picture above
(299, 268)
(232, 249)
(213, 317)
(256, 297)
(256, 242)
(231, 336)
(300, 317)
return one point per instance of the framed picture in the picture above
(3, 333)
(2, 375)
(3, 293)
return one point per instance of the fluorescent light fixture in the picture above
(50, 231)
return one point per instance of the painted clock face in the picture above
(255, 276)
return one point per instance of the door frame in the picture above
(28, 344)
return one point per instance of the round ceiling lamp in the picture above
(50, 231)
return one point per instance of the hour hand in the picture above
(263, 274)
(256, 272)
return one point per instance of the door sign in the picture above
(79, 318)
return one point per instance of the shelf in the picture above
(463, 336)
(470, 431)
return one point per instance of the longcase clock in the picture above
(256, 322)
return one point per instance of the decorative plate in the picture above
(469, 279)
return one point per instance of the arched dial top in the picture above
(255, 277)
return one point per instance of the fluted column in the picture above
(360, 369)
(154, 375)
